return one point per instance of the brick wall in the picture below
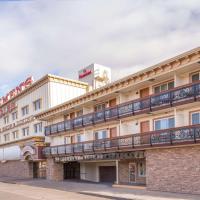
(16, 169)
(54, 170)
(174, 169)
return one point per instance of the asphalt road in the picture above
(50, 190)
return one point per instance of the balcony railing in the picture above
(176, 96)
(167, 137)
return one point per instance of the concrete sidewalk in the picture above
(105, 191)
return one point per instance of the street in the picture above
(51, 190)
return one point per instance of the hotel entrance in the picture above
(39, 169)
(72, 170)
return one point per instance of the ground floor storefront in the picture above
(174, 169)
(118, 168)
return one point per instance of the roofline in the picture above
(46, 78)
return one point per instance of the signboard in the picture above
(105, 156)
(16, 90)
(18, 123)
(85, 72)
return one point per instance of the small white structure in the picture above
(95, 75)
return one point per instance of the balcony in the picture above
(177, 96)
(168, 137)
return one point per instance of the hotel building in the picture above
(143, 129)
(21, 134)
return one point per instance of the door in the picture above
(113, 135)
(113, 132)
(144, 126)
(72, 170)
(132, 172)
(144, 92)
(35, 170)
(107, 174)
(112, 102)
(72, 115)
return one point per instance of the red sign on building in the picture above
(16, 90)
(85, 72)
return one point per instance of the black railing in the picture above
(176, 96)
(167, 137)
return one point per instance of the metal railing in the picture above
(167, 137)
(176, 96)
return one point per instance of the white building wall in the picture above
(60, 93)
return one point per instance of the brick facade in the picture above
(54, 171)
(123, 171)
(174, 169)
(16, 169)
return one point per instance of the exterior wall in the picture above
(60, 93)
(174, 169)
(54, 171)
(16, 169)
(123, 173)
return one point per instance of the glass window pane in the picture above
(157, 125)
(195, 118)
(163, 87)
(171, 123)
(195, 77)
(157, 89)
(170, 85)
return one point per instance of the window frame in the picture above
(25, 108)
(162, 118)
(161, 84)
(35, 104)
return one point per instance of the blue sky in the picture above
(62, 36)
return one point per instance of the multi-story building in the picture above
(21, 135)
(141, 129)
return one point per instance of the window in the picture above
(14, 115)
(25, 110)
(80, 138)
(164, 87)
(25, 131)
(67, 140)
(141, 169)
(195, 77)
(37, 104)
(102, 134)
(164, 123)
(15, 135)
(7, 137)
(38, 127)
(195, 118)
(6, 119)
(100, 107)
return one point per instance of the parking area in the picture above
(48, 190)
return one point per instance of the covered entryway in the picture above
(39, 169)
(107, 174)
(72, 170)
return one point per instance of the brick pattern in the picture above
(54, 171)
(16, 169)
(174, 169)
(124, 173)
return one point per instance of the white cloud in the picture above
(39, 37)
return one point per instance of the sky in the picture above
(39, 37)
